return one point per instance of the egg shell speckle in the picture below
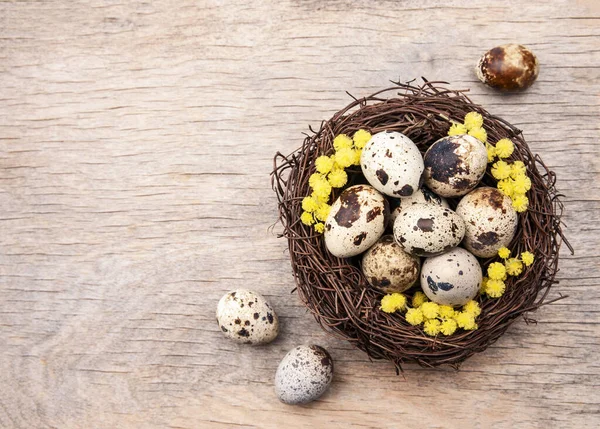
(454, 165)
(303, 375)
(246, 317)
(392, 164)
(490, 220)
(428, 229)
(420, 196)
(388, 268)
(356, 221)
(452, 278)
(509, 67)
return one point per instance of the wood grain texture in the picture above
(136, 141)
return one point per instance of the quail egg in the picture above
(508, 68)
(420, 196)
(428, 229)
(452, 278)
(392, 164)
(490, 220)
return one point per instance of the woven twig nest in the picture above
(336, 291)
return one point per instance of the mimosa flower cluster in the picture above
(494, 284)
(331, 174)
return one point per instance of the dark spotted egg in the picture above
(392, 164)
(428, 229)
(508, 68)
(452, 278)
(246, 317)
(490, 219)
(303, 375)
(420, 196)
(388, 267)
(356, 221)
(454, 165)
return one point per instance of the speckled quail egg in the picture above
(388, 267)
(420, 196)
(454, 165)
(428, 229)
(392, 164)
(246, 317)
(356, 221)
(490, 219)
(452, 278)
(508, 68)
(303, 375)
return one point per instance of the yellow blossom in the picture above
(504, 148)
(315, 178)
(496, 271)
(324, 164)
(506, 187)
(520, 203)
(321, 198)
(322, 212)
(393, 302)
(479, 133)
(518, 168)
(319, 227)
(357, 154)
(432, 327)
(514, 267)
(418, 299)
(430, 310)
(457, 129)
(495, 288)
(344, 157)
(472, 307)
(473, 120)
(446, 312)
(310, 204)
(503, 252)
(521, 184)
(337, 178)
(307, 218)
(527, 258)
(491, 152)
(414, 316)
(361, 137)
(483, 285)
(448, 327)
(466, 321)
(342, 141)
(501, 170)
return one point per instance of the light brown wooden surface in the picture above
(136, 141)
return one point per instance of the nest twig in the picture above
(336, 291)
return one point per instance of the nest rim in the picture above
(335, 290)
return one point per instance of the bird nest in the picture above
(335, 289)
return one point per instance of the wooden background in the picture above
(136, 141)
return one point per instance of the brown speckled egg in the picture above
(356, 221)
(303, 375)
(490, 219)
(246, 317)
(420, 196)
(454, 165)
(508, 68)
(389, 268)
(452, 278)
(428, 229)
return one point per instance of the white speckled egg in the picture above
(452, 278)
(428, 229)
(356, 221)
(420, 196)
(392, 164)
(490, 219)
(246, 317)
(389, 268)
(454, 165)
(303, 375)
